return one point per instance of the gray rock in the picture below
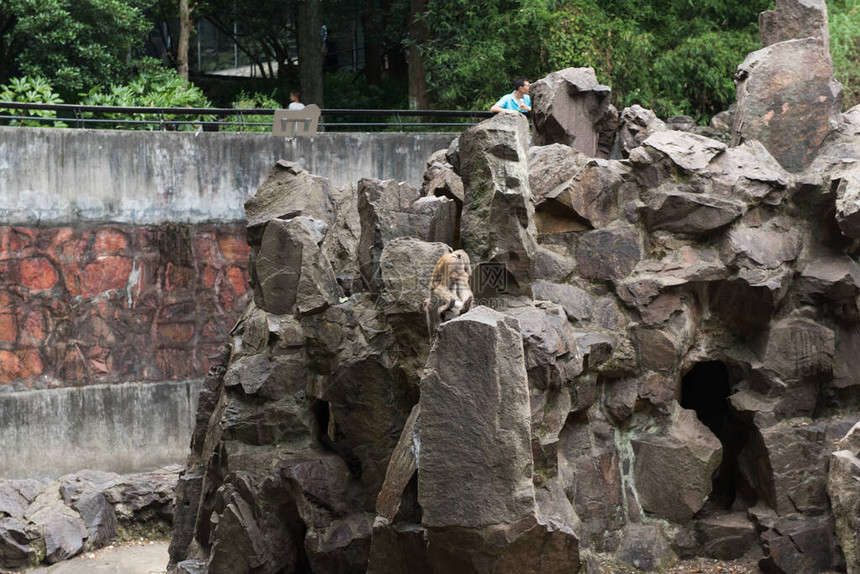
(589, 469)
(803, 546)
(475, 367)
(63, 529)
(401, 469)
(788, 100)
(566, 106)
(341, 241)
(793, 20)
(591, 193)
(610, 253)
(398, 548)
(842, 479)
(551, 167)
(796, 356)
(848, 203)
(440, 179)
(688, 151)
(294, 274)
(726, 537)
(288, 191)
(497, 226)
(637, 125)
(748, 171)
(342, 546)
(645, 547)
(763, 247)
(529, 545)
(689, 213)
(16, 495)
(673, 469)
(20, 544)
(386, 212)
(796, 454)
(406, 267)
(99, 517)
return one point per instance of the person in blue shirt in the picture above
(517, 101)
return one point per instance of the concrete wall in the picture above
(62, 176)
(119, 428)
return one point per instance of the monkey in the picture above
(449, 289)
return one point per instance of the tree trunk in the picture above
(309, 44)
(417, 75)
(372, 52)
(184, 39)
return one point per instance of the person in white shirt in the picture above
(295, 102)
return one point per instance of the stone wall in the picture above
(115, 303)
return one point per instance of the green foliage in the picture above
(74, 44)
(31, 90)
(697, 76)
(673, 56)
(254, 101)
(154, 86)
(844, 16)
(476, 49)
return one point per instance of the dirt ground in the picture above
(140, 557)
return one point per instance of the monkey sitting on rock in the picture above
(450, 294)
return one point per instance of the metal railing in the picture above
(230, 119)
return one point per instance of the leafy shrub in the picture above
(254, 101)
(154, 86)
(34, 90)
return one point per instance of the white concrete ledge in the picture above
(124, 428)
(53, 176)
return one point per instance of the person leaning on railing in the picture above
(517, 101)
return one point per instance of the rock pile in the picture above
(47, 521)
(660, 362)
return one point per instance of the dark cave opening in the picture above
(705, 389)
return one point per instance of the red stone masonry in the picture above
(117, 303)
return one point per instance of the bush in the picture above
(252, 102)
(154, 86)
(35, 90)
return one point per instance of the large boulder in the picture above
(788, 100)
(288, 191)
(794, 19)
(842, 480)
(567, 105)
(458, 439)
(673, 469)
(498, 229)
(293, 272)
(473, 432)
(637, 125)
(848, 203)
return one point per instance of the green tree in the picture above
(674, 56)
(75, 44)
(844, 16)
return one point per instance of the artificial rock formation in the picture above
(659, 361)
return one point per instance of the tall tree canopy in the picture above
(73, 43)
(671, 55)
